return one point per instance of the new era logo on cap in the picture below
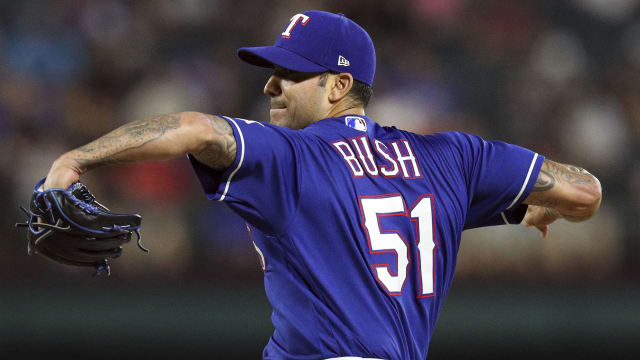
(342, 61)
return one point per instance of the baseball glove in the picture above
(70, 227)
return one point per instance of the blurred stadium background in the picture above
(560, 77)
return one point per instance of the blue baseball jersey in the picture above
(358, 226)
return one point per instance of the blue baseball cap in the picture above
(319, 41)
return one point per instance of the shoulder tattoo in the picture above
(219, 152)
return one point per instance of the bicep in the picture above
(218, 146)
(569, 189)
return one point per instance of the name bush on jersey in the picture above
(399, 158)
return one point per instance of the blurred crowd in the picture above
(559, 77)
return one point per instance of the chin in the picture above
(274, 120)
(279, 121)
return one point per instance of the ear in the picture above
(339, 86)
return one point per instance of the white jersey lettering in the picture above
(384, 151)
(406, 161)
(348, 156)
(362, 159)
(369, 163)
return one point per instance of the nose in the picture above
(272, 87)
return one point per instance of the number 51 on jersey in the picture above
(379, 240)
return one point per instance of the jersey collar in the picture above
(353, 123)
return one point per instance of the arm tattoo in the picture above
(545, 181)
(220, 152)
(553, 172)
(566, 189)
(569, 174)
(105, 150)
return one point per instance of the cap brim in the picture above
(267, 56)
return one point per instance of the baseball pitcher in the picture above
(357, 225)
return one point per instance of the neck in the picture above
(341, 111)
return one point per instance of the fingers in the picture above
(544, 231)
(61, 175)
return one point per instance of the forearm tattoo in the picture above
(545, 181)
(220, 152)
(106, 150)
(553, 172)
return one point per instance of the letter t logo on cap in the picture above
(294, 21)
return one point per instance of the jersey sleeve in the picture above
(262, 184)
(498, 175)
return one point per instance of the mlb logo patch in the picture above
(356, 122)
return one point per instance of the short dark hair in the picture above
(360, 92)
